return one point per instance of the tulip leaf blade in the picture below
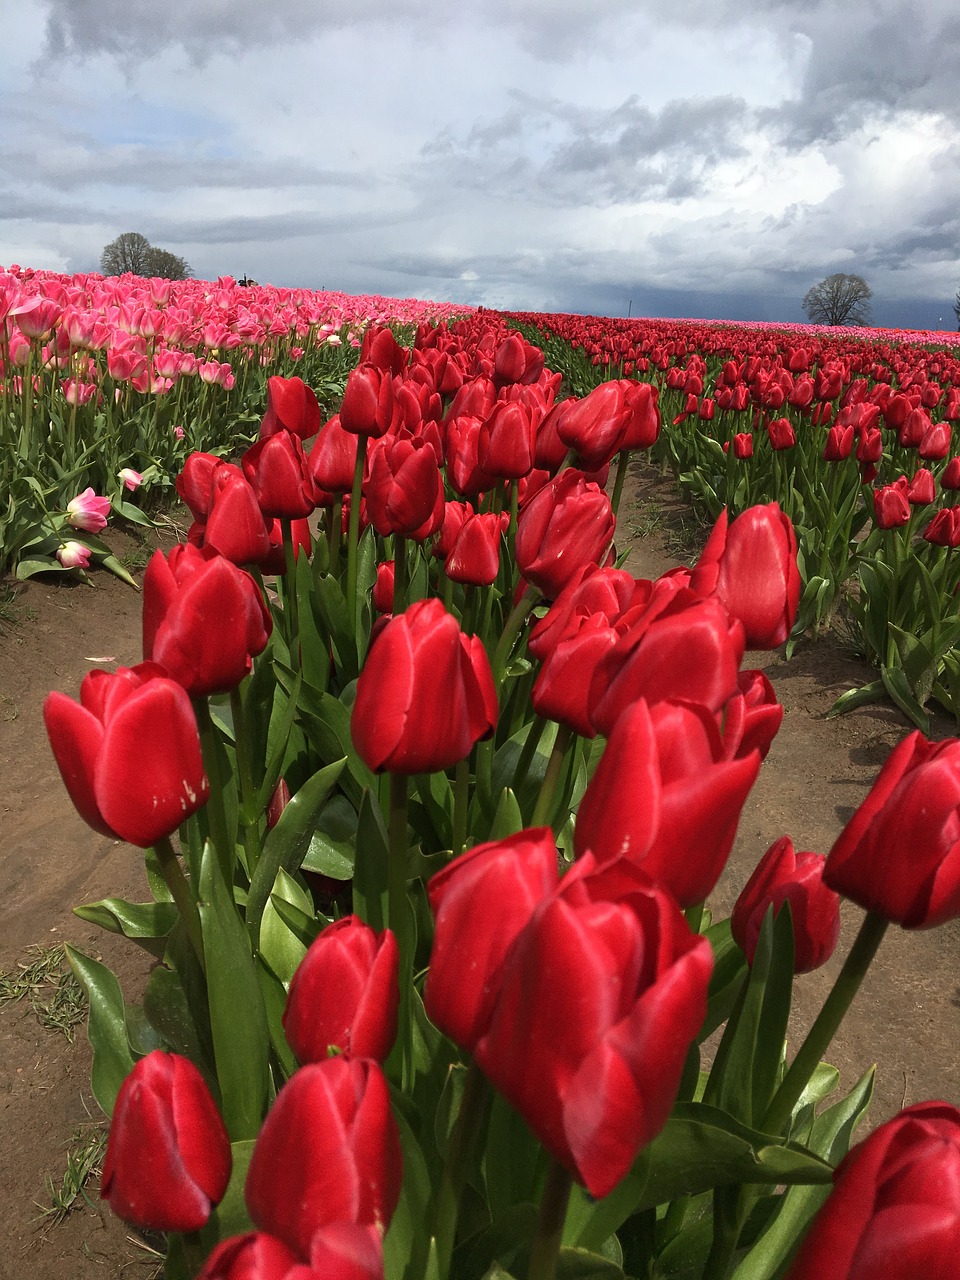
(898, 686)
(371, 874)
(106, 1027)
(238, 1019)
(147, 923)
(583, 1264)
(507, 819)
(860, 697)
(406, 1242)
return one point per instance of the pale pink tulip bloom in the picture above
(131, 479)
(87, 511)
(73, 555)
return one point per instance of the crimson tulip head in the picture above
(944, 529)
(168, 1155)
(344, 994)
(664, 797)
(567, 524)
(751, 567)
(891, 505)
(899, 855)
(291, 406)
(328, 1151)
(129, 752)
(507, 440)
(280, 474)
(474, 558)
(642, 419)
(333, 457)
(595, 426)
(404, 491)
(481, 901)
(204, 619)
(195, 480)
(894, 1210)
(782, 875)
(597, 1087)
(235, 524)
(398, 722)
(369, 405)
(561, 690)
(751, 719)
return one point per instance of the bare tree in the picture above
(169, 266)
(839, 299)
(127, 253)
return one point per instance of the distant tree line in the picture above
(133, 253)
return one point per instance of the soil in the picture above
(906, 1017)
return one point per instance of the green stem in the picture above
(175, 881)
(353, 530)
(622, 465)
(461, 795)
(544, 803)
(401, 581)
(249, 818)
(529, 750)
(210, 745)
(828, 1020)
(553, 1212)
(398, 917)
(727, 1223)
(335, 520)
(473, 1105)
(290, 601)
(511, 629)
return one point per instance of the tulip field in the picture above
(433, 794)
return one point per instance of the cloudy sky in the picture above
(694, 158)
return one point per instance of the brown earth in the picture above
(906, 1017)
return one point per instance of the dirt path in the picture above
(906, 1018)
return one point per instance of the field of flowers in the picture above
(432, 795)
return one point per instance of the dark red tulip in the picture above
(383, 587)
(507, 440)
(333, 457)
(782, 875)
(168, 1158)
(278, 470)
(595, 426)
(399, 722)
(291, 406)
(750, 719)
(751, 567)
(368, 407)
(743, 445)
(781, 433)
(596, 1087)
(936, 441)
(481, 900)
(474, 558)
(664, 797)
(129, 752)
(404, 491)
(899, 855)
(839, 444)
(894, 1210)
(922, 489)
(344, 994)
(204, 619)
(891, 505)
(569, 523)
(944, 529)
(236, 526)
(951, 475)
(328, 1151)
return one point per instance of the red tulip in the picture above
(894, 1210)
(797, 878)
(561, 690)
(328, 1151)
(383, 587)
(595, 426)
(481, 901)
(944, 529)
(474, 558)
(743, 445)
(333, 457)
(750, 719)
(642, 423)
(951, 475)
(899, 855)
(254, 1256)
(129, 752)
(291, 406)
(569, 523)
(936, 441)
(507, 441)
(168, 1155)
(425, 695)
(344, 994)
(194, 482)
(891, 505)
(404, 491)
(369, 404)
(751, 567)
(664, 797)
(597, 1002)
(922, 489)
(839, 444)
(278, 470)
(236, 526)
(204, 619)
(781, 433)
(592, 590)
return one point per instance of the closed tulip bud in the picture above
(891, 505)
(73, 555)
(561, 690)
(168, 1155)
(195, 480)
(751, 719)
(204, 620)
(480, 901)
(781, 433)
(404, 491)
(507, 440)
(594, 427)
(936, 441)
(254, 1256)
(278, 470)
(596, 1088)
(951, 475)
(642, 420)
(344, 994)
(782, 875)
(870, 445)
(333, 457)
(894, 1210)
(291, 406)
(569, 523)
(328, 1151)
(839, 444)
(368, 404)
(944, 529)
(129, 753)
(664, 797)
(474, 558)
(398, 723)
(916, 423)
(383, 587)
(751, 567)
(922, 489)
(899, 855)
(236, 526)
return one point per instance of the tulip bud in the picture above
(797, 878)
(168, 1155)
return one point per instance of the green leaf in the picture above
(371, 873)
(581, 1264)
(854, 698)
(106, 1027)
(507, 819)
(147, 923)
(333, 845)
(238, 1019)
(896, 684)
(280, 946)
(166, 1005)
(287, 843)
(407, 1241)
